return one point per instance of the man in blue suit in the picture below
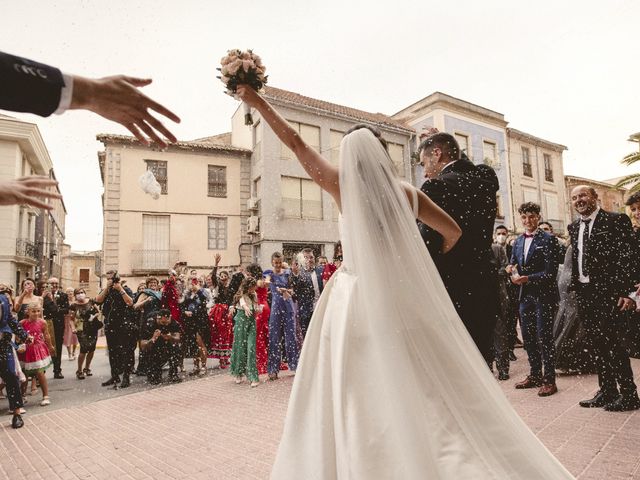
(534, 268)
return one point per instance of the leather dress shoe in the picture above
(111, 381)
(512, 356)
(502, 375)
(624, 403)
(598, 401)
(125, 381)
(17, 421)
(529, 382)
(547, 389)
(58, 375)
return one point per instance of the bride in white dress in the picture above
(390, 384)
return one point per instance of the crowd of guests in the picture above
(576, 299)
(252, 322)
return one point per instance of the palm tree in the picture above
(630, 181)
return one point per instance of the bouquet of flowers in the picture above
(242, 68)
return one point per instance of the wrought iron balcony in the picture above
(153, 260)
(26, 248)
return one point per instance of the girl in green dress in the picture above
(243, 352)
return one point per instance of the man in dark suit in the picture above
(29, 86)
(534, 267)
(467, 192)
(602, 279)
(56, 306)
(307, 287)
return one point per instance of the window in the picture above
(548, 168)
(155, 241)
(217, 233)
(527, 171)
(530, 195)
(83, 275)
(463, 143)
(217, 181)
(551, 204)
(308, 133)
(396, 152)
(257, 191)
(301, 198)
(489, 154)
(159, 170)
(335, 137)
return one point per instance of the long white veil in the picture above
(390, 384)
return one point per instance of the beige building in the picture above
(288, 210)
(610, 198)
(30, 239)
(202, 209)
(537, 175)
(81, 270)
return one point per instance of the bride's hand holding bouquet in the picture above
(242, 69)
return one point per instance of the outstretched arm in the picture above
(436, 218)
(319, 169)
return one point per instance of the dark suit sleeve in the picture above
(436, 191)
(63, 307)
(28, 86)
(624, 269)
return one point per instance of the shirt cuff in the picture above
(65, 94)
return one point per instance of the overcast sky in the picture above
(564, 71)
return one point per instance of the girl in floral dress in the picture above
(37, 356)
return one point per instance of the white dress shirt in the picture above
(581, 277)
(527, 245)
(65, 94)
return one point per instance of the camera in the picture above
(115, 278)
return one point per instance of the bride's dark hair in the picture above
(372, 129)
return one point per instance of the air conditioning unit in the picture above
(253, 224)
(252, 203)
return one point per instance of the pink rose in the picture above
(246, 65)
(225, 79)
(233, 67)
(245, 56)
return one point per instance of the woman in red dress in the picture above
(220, 319)
(262, 318)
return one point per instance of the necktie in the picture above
(585, 247)
(529, 235)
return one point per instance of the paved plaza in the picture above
(211, 428)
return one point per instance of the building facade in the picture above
(201, 211)
(29, 238)
(288, 210)
(537, 175)
(81, 270)
(480, 132)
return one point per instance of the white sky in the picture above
(564, 71)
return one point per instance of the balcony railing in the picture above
(150, 260)
(26, 248)
(527, 170)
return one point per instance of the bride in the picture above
(389, 383)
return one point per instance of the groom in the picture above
(467, 192)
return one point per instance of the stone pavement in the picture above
(214, 429)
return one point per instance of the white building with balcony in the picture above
(27, 251)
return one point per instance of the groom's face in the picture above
(430, 161)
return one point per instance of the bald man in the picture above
(602, 278)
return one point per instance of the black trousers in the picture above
(121, 343)
(159, 355)
(604, 323)
(9, 377)
(58, 335)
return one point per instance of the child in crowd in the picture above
(37, 356)
(243, 352)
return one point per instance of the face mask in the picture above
(501, 238)
(81, 296)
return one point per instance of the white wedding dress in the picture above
(390, 384)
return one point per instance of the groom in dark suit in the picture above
(467, 192)
(602, 278)
(533, 269)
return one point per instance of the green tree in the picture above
(632, 182)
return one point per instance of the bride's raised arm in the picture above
(320, 170)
